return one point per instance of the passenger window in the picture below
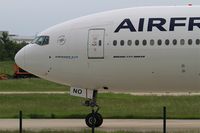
(152, 42)
(174, 41)
(167, 42)
(190, 41)
(182, 41)
(198, 41)
(159, 42)
(144, 42)
(122, 42)
(129, 42)
(137, 42)
(115, 42)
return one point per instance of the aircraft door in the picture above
(96, 40)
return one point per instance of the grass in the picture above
(112, 106)
(33, 84)
(6, 67)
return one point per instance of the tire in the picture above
(98, 120)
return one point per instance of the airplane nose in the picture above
(20, 58)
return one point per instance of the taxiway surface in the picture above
(108, 125)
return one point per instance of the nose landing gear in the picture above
(94, 117)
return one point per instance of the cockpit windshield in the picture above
(41, 40)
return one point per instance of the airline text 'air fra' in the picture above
(160, 24)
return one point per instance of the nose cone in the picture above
(20, 58)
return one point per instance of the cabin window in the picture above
(182, 41)
(198, 41)
(115, 42)
(144, 42)
(122, 42)
(152, 42)
(137, 42)
(190, 41)
(174, 41)
(167, 42)
(159, 42)
(44, 40)
(129, 42)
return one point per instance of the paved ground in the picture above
(109, 125)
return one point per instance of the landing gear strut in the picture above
(93, 118)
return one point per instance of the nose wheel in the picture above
(96, 117)
(93, 119)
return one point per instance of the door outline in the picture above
(103, 42)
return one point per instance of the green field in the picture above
(112, 106)
(32, 84)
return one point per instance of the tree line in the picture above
(8, 48)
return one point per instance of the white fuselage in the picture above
(145, 49)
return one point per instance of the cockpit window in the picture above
(41, 40)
